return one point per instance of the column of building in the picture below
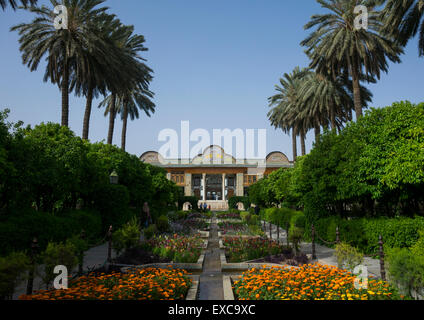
(188, 189)
(204, 186)
(223, 186)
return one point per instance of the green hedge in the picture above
(284, 217)
(194, 201)
(233, 201)
(363, 233)
(17, 233)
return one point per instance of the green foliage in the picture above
(12, 273)
(127, 237)
(364, 233)
(192, 200)
(373, 167)
(162, 224)
(406, 270)
(348, 257)
(80, 245)
(49, 170)
(295, 237)
(418, 248)
(18, 231)
(112, 201)
(57, 254)
(150, 231)
(233, 201)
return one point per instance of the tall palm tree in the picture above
(39, 38)
(403, 19)
(338, 45)
(284, 106)
(14, 5)
(326, 101)
(132, 102)
(134, 86)
(100, 71)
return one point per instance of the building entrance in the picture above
(214, 187)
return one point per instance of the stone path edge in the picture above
(192, 292)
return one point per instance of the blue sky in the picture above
(215, 63)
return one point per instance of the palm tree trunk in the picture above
(302, 141)
(112, 114)
(294, 141)
(333, 119)
(317, 132)
(124, 126)
(356, 89)
(65, 92)
(87, 114)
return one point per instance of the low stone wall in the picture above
(192, 293)
(244, 266)
(198, 266)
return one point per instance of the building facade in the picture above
(215, 176)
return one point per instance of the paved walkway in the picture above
(211, 286)
(93, 259)
(325, 255)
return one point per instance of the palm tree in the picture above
(284, 104)
(326, 101)
(63, 47)
(338, 45)
(100, 71)
(135, 87)
(14, 5)
(132, 102)
(403, 19)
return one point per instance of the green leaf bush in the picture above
(13, 270)
(126, 237)
(56, 254)
(364, 233)
(347, 256)
(233, 201)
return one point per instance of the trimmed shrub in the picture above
(233, 201)
(162, 224)
(364, 233)
(193, 201)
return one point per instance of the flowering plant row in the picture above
(145, 284)
(239, 249)
(177, 248)
(194, 224)
(228, 216)
(309, 282)
(233, 228)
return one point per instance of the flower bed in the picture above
(240, 250)
(194, 224)
(228, 216)
(145, 284)
(233, 227)
(179, 249)
(310, 282)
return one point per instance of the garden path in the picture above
(325, 255)
(211, 286)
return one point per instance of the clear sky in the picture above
(215, 63)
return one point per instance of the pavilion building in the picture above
(215, 176)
